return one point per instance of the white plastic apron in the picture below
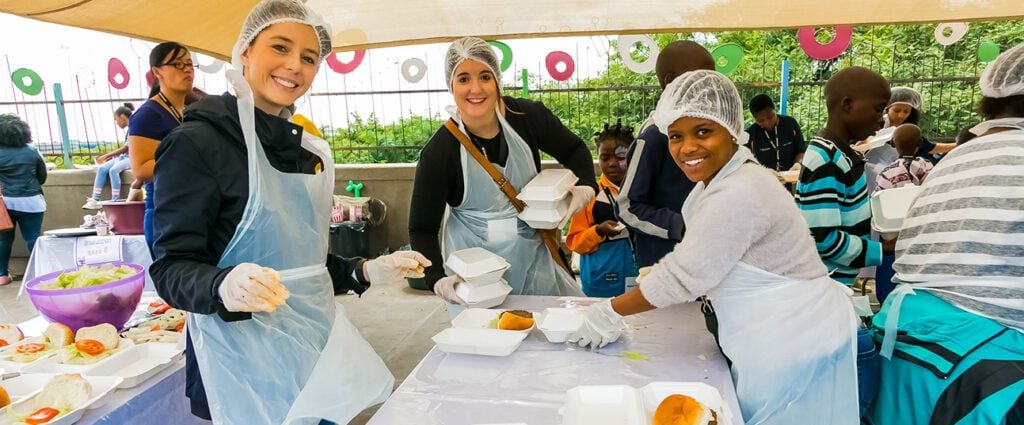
(306, 361)
(792, 343)
(485, 211)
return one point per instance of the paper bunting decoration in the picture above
(419, 65)
(552, 61)
(830, 50)
(506, 54)
(115, 69)
(626, 43)
(28, 81)
(957, 30)
(988, 51)
(727, 57)
(343, 68)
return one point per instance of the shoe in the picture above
(4, 280)
(89, 222)
(92, 204)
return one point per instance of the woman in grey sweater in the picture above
(22, 174)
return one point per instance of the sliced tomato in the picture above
(156, 328)
(42, 416)
(158, 307)
(162, 309)
(30, 348)
(3, 343)
(91, 347)
(180, 327)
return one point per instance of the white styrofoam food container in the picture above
(880, 138)
(14, 368)
(480, 318)
(52, 364)
(544, 218)
(483, 342)
(549, 184)
(624, 405)
(790, 176)
(140, 363)
(890, 206)
(477, 266)
(484, 296)
(24, 388)
(535, 201)
(558, 323)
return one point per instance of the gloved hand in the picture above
(134, 194)
(252, 289)
(396, 266)
(445, 288)
(796, 167)
(601, 325)
(581, 197)
(642, 274)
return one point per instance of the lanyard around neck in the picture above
(174, 111)
(775, 144)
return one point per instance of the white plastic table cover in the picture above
(160, 399)
(54, 254)
(529, 386)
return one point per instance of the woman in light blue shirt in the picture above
(22, 174)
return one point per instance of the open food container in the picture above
(483, 342)
(544, 218)
(889, 207)
(112, 302)
(880, 138)
(481, 318)
(484, 296)
(625, 405)
(533, 200)
(25, 388)
(558, 323)
(477, 266)
(550, 185)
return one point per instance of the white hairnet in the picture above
(1004, 77)
(906, 95)
(269, 12)
(470, 48)
(702, 94)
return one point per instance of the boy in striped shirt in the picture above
(832, 191)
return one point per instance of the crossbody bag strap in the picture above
(550, 237)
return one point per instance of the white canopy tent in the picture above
(211, 26)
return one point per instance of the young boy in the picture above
(832, 191)
(606, 258)
(908, 169)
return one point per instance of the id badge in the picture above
(502, 230)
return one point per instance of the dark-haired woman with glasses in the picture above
(173, 72)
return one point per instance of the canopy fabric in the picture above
(211, 26)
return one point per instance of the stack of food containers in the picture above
(547, 198)
(481, 271)
(889, 207)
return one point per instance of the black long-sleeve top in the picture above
(439, 171)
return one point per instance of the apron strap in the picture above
(550, 237)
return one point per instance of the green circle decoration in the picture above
(35, 85)
(988, 51)
(727, 57)
(506, 54)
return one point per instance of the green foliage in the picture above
(370, 142)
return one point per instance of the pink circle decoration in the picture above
(340, 67)
(552, 61)
(830, 50)
(114, 68)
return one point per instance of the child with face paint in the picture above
(607, 266)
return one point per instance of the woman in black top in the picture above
(22, 174)
(510, 133)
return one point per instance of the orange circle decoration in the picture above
(116, 68)
(830, 50)
(343, 68)
(552, 61)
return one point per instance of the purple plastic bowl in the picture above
(112, 302)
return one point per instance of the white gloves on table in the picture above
(445, 288)
(601, 326)
(581, 197)
(396, 266)
(252, 289)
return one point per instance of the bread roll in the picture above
(59, 334)
(105, 333)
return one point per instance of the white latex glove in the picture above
(135, 194)
(642, 274)
(581, 197)
(396, 266)
(252, 289)
(796, 167)
(601, 326)
(445, 288)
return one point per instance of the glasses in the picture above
(181, 66)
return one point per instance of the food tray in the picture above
(483, 342)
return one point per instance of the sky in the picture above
(77, 59)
